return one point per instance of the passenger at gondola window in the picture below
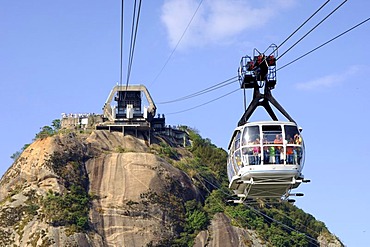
(295, 156)
(265, 151)
(278, 148)
(257, 152)
(271, 151)
(297, 150)
(297, 139)
(289, 150)
(251, 159)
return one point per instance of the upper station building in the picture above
(130, 110)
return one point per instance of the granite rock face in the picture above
(121, 173)
(222, 234)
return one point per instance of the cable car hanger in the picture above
(260, 72)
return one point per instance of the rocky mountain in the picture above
(105, 189)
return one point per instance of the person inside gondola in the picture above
(289, 150)
(297, 139)
(271, 151)
(265, 151)
(257, 152)
(278, 148)
(297, 150)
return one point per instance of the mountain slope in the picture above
(106, 189)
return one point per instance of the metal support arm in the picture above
(260, 99)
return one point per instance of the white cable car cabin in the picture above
(266, 158)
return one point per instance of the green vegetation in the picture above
(44, 132)
(72, 207)
(49, 131)
(15, 156)
(56, 124)
(168, 151)
(207, 166)
(279, 224)
(69, 209)
(165, 151)
(196, 220)
(186, 218)
(120, 149)
(183, 219)
(210, 157)
(17, 217)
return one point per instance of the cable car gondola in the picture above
(265, 158)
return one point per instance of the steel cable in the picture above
(134, 29)
(178, 42)
(327, 42)
(222, 96)
(322, 6)
(312, 29)
(203, 91)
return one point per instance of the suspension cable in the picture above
(284, 225)
(121, 44)
(203, 91)
(310, 239)
(132, 37)
(287, 216)
(172, 113)
(322, 6)
(135, 25)
(312, 29)
(178, 42)
(327, 42)
(221, 206)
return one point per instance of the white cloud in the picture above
(329, 80)
(217, 21)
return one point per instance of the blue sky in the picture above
(64, 56)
